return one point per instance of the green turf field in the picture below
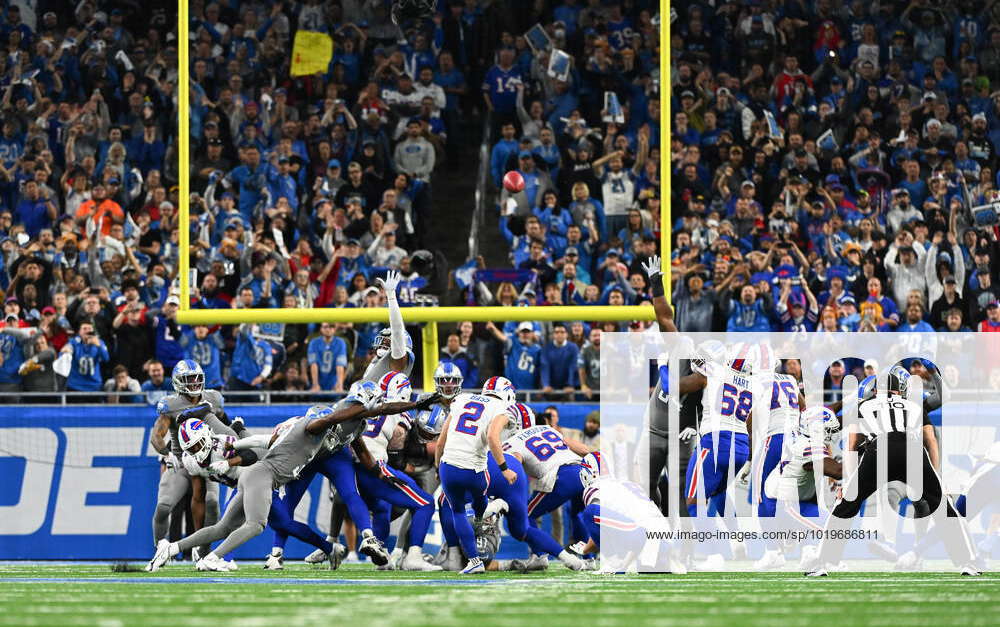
(178, 596)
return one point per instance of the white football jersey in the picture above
(543, 451)
(790, 481)
(727, 400)
(230, 477)
(379, 432)
(470, 417)
(780, 393)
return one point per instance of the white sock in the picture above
(415, 552)
(277, 551)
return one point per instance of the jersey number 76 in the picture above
(467, 421)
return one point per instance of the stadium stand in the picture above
(832, 168)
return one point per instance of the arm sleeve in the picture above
(397, 347)
(252, 441)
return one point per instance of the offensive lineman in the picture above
(190, 400)
(290, 450)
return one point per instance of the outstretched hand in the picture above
(390, 282)
(652, 267)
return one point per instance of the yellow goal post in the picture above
(429, 316)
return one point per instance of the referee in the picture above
(893, 429)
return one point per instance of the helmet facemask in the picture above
(448, 387)
(192, 383)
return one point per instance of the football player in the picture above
(291, 449)
(726, 405)
(393, 347)
(782, 409)
(511, 498)
(190, 400)
(471, 433)
(394, 487)
(217, 458)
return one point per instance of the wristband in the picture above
(657, 286)
(503, 467)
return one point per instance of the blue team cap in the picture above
(333, 163)
(227, 195)
(524, 154)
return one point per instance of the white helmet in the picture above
(502, 388)
(522, 416)
(448, 379)
(395, 387)
(195, 437)
(591, 469)
(188, 377)
(365, 392)
(819, 418)
(708, 352)
(744, 357)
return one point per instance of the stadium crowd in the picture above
(825, 159)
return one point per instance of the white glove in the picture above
(743, 476)
(220, 467)
(652, 267)
(510, 207)
(687, 434)
(237, 421)
(390, 283)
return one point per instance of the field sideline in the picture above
(177, 596)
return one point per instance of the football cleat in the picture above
(276, 560)
(571, 561)
(396, 558)
(414, 560)
(373, 548)
(336, 556)
(316, 557)
(909, 561)
(971, 571)
(576, 549)
(819, 572)
(386, 566)
(496, 507)
(165, 549)
(810, 558)
(453, 561)
(195, 554)
(474, 567)
(771, 560)
(533, 563)
(213, 562)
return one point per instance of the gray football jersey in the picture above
(380, 366)
(173, 405)
(343, 434)
(294, 448)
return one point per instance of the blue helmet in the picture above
(866, 389)
(188, 377)
(448, 379)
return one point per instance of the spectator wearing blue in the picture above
(352, 263)
(250, 179)
(914, 320)
(558, 364)
(11, 356)
(500, 86)
(797, 309)
(36, 211)
(167, 334)
(158, 386)
(205, 346)
(252, 361)
(88, 353)
(751, 311)
(456, 354)
(536, 181)
(280, 183)
(327, 355)
(522, 354)
(501, 152)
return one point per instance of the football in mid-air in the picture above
(513, 182)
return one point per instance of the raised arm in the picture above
(397, 349)
(664, 312)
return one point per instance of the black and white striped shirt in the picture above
(891, 414)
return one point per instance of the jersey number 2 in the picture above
(467, 421)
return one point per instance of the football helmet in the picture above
(188, 377)
(708, 352)
(318, 411)
(429, 423)
(899, 379)
(866, 389)
(195, 437)
(448, 379)
(383, 342)
(819, 418)
(367, 393)
(395, 387)
(502, 388)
